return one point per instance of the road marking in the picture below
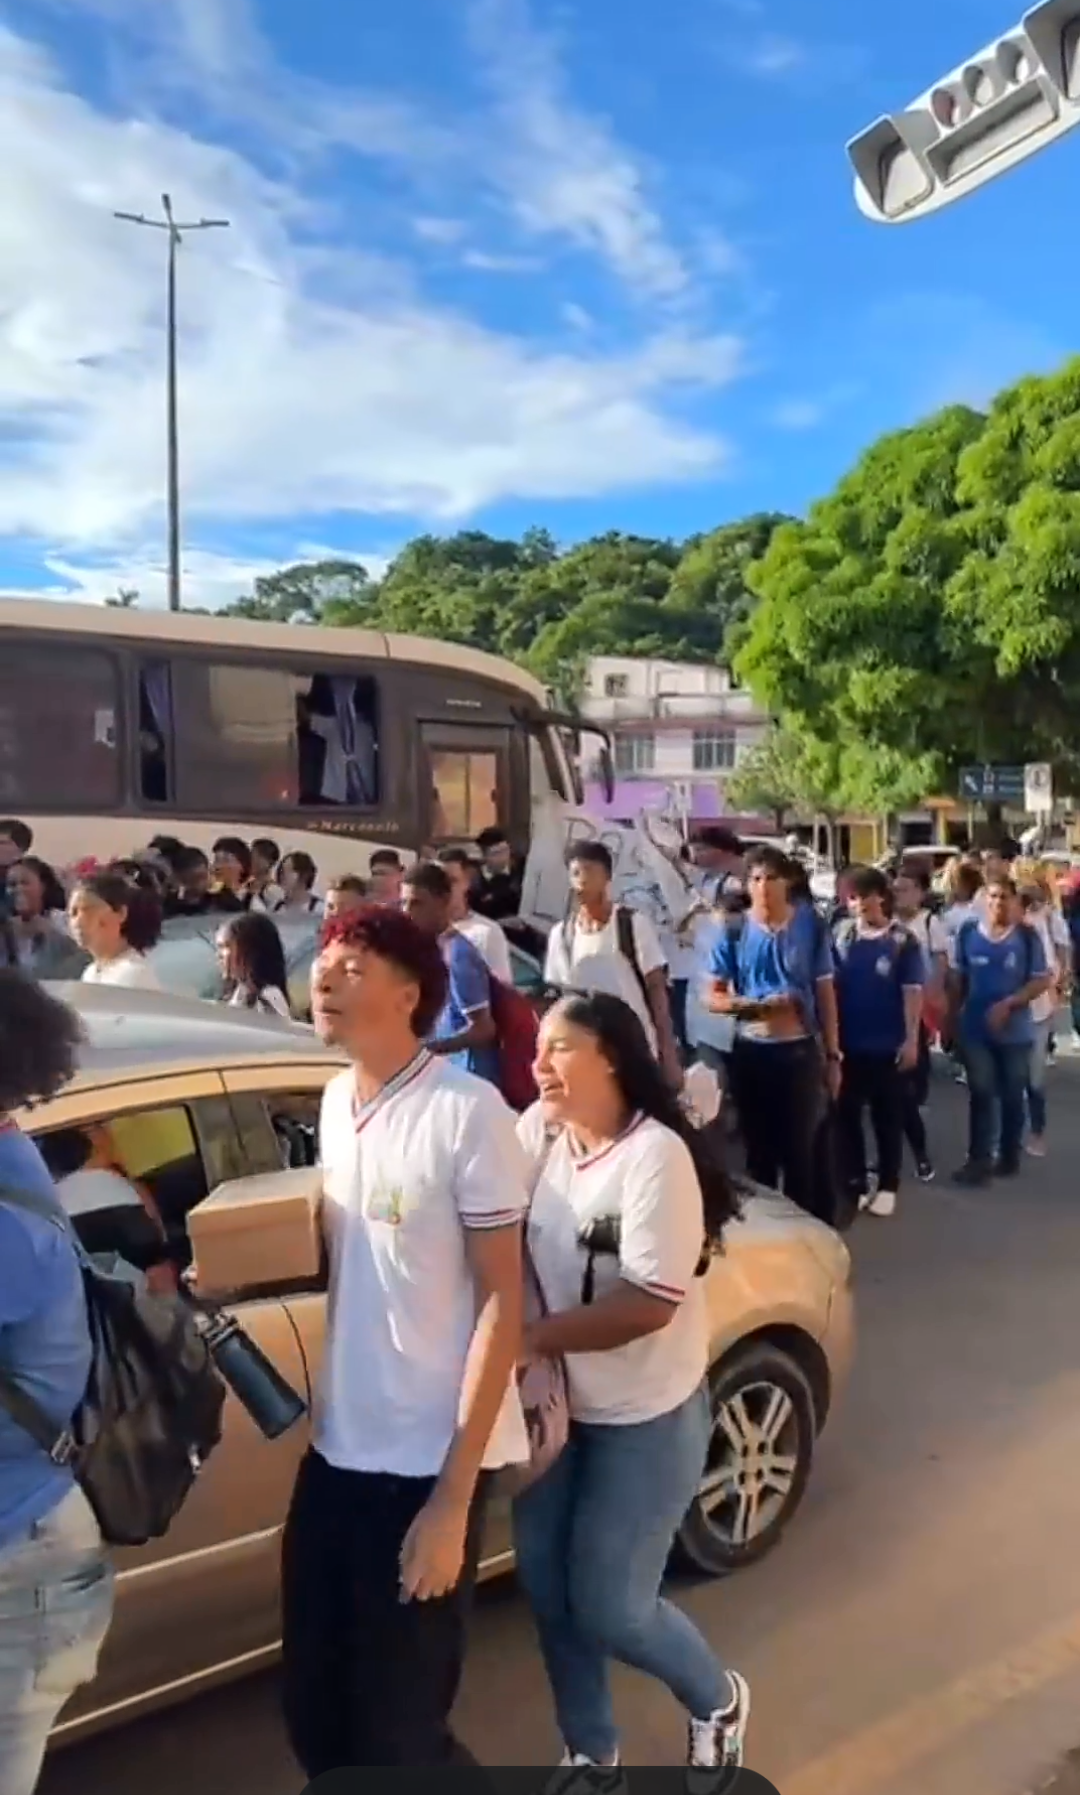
(902, 1740)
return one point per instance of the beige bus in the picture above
(118, 725)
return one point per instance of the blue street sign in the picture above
(992, 785)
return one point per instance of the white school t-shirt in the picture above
(589, 959)
(647, 1179)
(404, 1176)
(130, 968)
(270, 1000)
(490, 943)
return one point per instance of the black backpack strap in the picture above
(58, 1443)
(733, 931)
(624, 929)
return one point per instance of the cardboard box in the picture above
(259, 1233)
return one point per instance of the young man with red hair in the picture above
(424, 1194)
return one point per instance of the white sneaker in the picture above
(716, 1745)
(578, 1775)
(883, 1202)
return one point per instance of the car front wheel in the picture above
(761, 1448)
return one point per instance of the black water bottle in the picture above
(258, 1385)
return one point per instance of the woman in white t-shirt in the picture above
(297, 874)
(117, 921)
(626, 1197)
(252, 961)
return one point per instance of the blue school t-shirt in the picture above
(993, 969)
(469, 990)
(44, 1335)
(872, 973)
(757, 962)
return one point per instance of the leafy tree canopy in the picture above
(614, 594)
(927, 613)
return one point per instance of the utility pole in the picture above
(176, 233)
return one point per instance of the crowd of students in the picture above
(471, 1250)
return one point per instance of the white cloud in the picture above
(315, 376)
(774, 54)
(563, 173)
(799, 414)
(577, 317)
(209, 580)
(440, 230)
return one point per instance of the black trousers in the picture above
(871, 1081)
(914, 1091)
(369, 1680)
(779, 1094)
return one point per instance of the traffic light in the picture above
(1012, 99)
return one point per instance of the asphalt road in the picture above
(920, 1625)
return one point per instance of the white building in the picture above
(672, 724)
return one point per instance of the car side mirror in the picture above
(259, 1236)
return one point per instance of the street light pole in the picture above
(176, 233)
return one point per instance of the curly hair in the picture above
(40, 1039)
(393, 937)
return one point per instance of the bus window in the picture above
(155, 730)
(266, 738)
(337, 740)
(58, 734)
(236, 737)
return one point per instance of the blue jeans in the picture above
(997, 1082)
(1036, 1080)
(592, 1539)
(56, 1594)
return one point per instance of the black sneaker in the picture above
(925, 1172)
(973, 1175)
(1007, 1168)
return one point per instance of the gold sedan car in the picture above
(184, 1099)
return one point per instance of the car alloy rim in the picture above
(752, 1464)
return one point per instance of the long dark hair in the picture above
(259, 953)
(622, 1040)
(129, 887)
(52, 892)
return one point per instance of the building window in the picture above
(635, 753)
(616, 685)
(714, 750)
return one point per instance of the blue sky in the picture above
(491, 263)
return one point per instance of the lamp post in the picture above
(176, 233)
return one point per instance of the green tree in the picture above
(126, 598)
(321, 591)
(768, 779)
(927, 614)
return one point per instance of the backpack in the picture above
(1027, 933)
(846, 933)
(516, 1030)
(151, 1414)
(624, 934)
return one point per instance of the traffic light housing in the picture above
(1016, 97)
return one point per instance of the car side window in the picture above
(279, 1129)
(170, 1158)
